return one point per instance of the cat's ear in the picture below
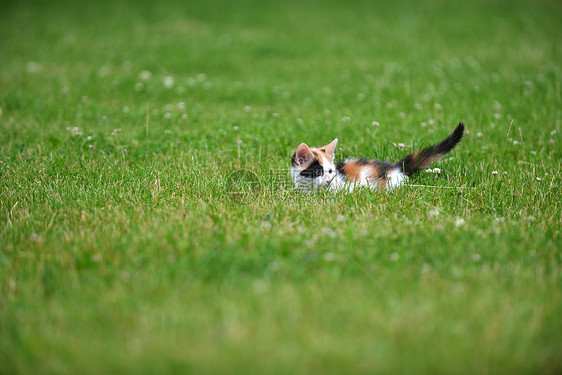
(331, 149)
(304, 154)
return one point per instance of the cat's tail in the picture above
(421, 159)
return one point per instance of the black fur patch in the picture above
(314, 170)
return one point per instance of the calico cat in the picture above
(314, 168)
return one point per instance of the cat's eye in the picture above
(330, 171)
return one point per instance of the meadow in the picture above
(126, 245)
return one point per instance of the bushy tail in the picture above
(423, 158)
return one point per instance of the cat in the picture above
(315, 169)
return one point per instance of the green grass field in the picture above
(124, 250)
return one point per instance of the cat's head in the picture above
(314, 168)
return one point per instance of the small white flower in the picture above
(429, 170)
(181, 106)
(375, 123)
(184, 116)
(329, 257)
(438, 107)
(300, 121)
(551, 141)
(104, 118)
(247, 108)
(126, 109)
(145, 75)
(168, 82)
(431, 122)
(459, 221)
(394, 257)
(433, 213)
(479, 135)
(539, 179)
(346, 118)
(116, 131)
(546, 174)
(235, 127)
(494, 172)
(89, 138)
(423, 124)
(201, 77)
(497, 116)
(531, 218)
(139, 86)
(553, 132)
(515, 142)
(167, 132)
(418, 106)
(388, 105)
(504, 172)
(476, 257)
(436, 170)
(401, 145)
(167, 115)
(341, 218)
(533, 152)
(91, 146)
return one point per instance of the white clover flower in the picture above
(546, 174)
(346, 118)
(139, 86)
(329, 257)
(116, 131)
(494, 172)
(431, 122)
(145, 75)
(433, 213)
(126, 109)
(539, 179)
(89, 138)
(459, 222)
(553, 132)
(476, 257)
(438, 107)
(300, 121)
(479, 135)
(184, 116)
(429, 170)
(181, 106)
(235, 127)
(168, 82)
(533, 152)
(515, 142)
(247, 108)
(423, 124)
(167, 115)
(375, 123)
(436, 170)
(531, 218)
(201, 77)
(418, 106)
(504, 172)
(91, 146)
(275, 114)
(401, 145)
(394, 257)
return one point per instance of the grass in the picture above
(122, 248)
